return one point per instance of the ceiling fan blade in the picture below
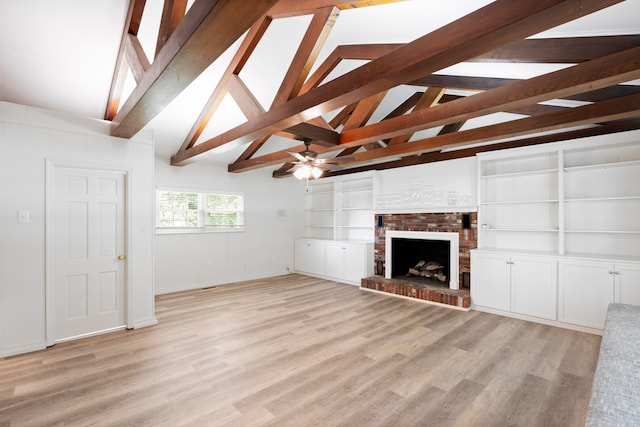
(336, 160)
(328, 166)
(298, 156)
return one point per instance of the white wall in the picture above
(28, 138)
(457, 176)
(264, 249)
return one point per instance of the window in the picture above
(192, 212)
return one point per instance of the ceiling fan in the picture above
(309, 165)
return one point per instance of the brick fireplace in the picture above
(464, 224)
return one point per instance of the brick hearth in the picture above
(412, 289)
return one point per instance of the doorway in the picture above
(86, 290)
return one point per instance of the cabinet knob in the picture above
(611, 272)
(617, 273)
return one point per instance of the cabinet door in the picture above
(534, 286)
(334, 260)
(627, 284)
(490, 281)
(355, 262)
(309, 256)
(586, 289)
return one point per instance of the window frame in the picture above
(201, 212)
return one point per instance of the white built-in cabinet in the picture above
(575, 205)
(348, 262)
(345, 262)
(310, 256)
(587, 287)
(339, 229)
(520, 284)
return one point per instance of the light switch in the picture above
(23, 217)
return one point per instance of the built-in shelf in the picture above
(518, 202)
(564, 197)
(517, 174)
(522, 229)
(357, 208)
(607, 165)
(608, 231)
(602, 199)
(340, 209)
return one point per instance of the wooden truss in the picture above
(188, 43)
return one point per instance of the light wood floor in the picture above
(299, 351)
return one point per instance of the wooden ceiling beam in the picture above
(363, 111)
(495, 25)
(172, 13)
(598, 73)
(207, 30)
(131, 26)
(241, 57)
(312, 42)
(248, 103)
(595, 74)
(288, 8)
(343, 115)
(566, 50)
(430, 98)
(361, 115)
(361, 52)
(529, 110)
(136, 58)
(307, 53)
(319, 135)
(438, 156)
(609, 110)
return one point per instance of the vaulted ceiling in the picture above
(370, 84)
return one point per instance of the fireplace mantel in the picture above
(422, 209)
(452, 238)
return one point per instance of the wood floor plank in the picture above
(299, 351)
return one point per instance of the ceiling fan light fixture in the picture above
(316, 172)
(303, 173)
(308, 171)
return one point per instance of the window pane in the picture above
(223, 220)
(222, 202)
(182, 210)
(178, 209)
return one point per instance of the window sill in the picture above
(197, 231)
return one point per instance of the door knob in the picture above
(120, 257)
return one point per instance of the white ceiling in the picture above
(60, 55)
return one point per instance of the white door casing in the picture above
(86, 226)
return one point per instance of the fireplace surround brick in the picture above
(429, 222)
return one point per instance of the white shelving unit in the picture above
(511, 218)
(340, 210)
(319, 211)
(339, 229)
(354, 209)
(577, 204)
(602, 201)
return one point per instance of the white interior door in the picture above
(88, 246)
